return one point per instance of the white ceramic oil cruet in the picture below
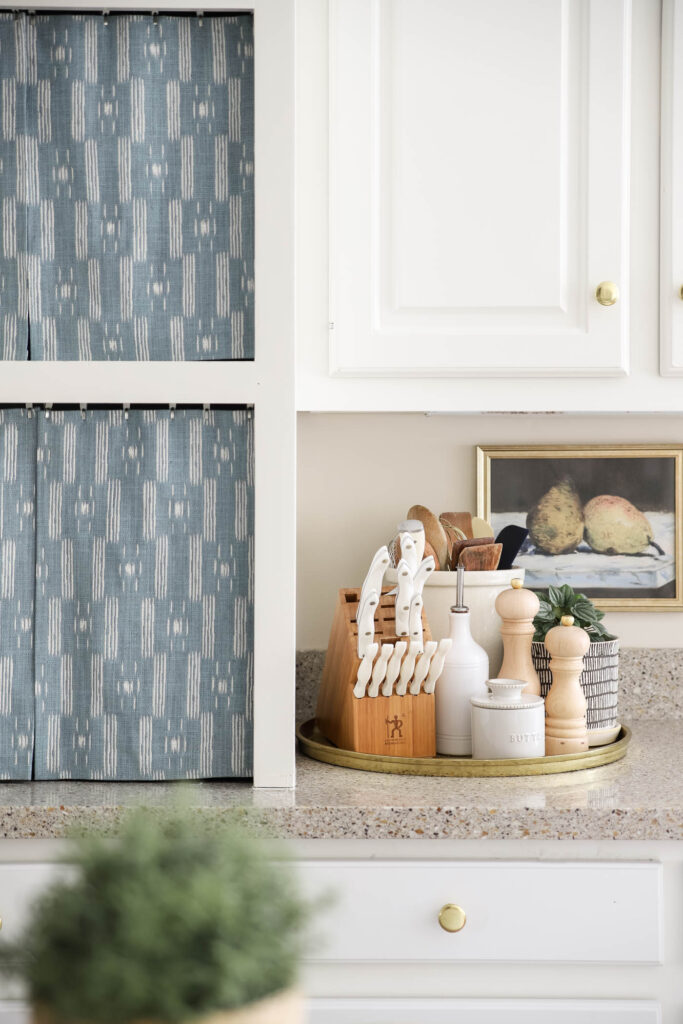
(464, 675)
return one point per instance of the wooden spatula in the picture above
(460, 545)
(481, 557)
(460, 520)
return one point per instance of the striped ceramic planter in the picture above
(599, 679)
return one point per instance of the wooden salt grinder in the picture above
(517, 608)
(565, 705)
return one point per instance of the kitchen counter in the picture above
(640, 797)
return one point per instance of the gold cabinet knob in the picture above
(607, 293)
(452, 918)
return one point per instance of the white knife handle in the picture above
(405, 592)
(422, 667)
(424, 571)
(415, 621)
(408, 551)
(436, 667)
(380, 669)
(393, 668)
(407, 669)
(417, 530)
(365, 670)
(378, 566)
(365, 620)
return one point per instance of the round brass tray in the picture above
(314, 744)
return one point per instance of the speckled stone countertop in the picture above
(640, 797)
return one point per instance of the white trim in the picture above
(466, 1011)
(267, 383)
(668, 187)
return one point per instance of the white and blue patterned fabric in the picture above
(127, 171)
(144, 605)
(17, 580)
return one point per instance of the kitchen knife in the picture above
(380, 669)
(365, 618)
(409, 551)
(407, 669)
(422, 667)
(424, 571)
(415, 620)
(378, 566)
(416, 528)
(405, 592)
(393, 668)
(365, 670)
(436, 666)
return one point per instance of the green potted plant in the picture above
(600, 676)
(171, 923)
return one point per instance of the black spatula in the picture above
(512, 538)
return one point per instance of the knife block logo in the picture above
(394, 728)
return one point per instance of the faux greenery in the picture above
(559, 601)
(167, 924)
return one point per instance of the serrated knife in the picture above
(422, 667)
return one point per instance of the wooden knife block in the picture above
(398, 726)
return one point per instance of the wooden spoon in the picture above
(481, 527)
(481, 557)
(434, 532)
(429, 550)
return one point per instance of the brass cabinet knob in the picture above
(452, 918)
(607, 293)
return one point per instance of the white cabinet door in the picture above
(671, 263)
(19, 1013)
(481, 1011)
(479, 187)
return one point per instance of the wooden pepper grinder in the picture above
(517, 608)
(565, 705)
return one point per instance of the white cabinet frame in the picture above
(483, 1011)
(267, 383)
(671, 208)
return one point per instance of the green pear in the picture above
(613, 526)
(555, 523)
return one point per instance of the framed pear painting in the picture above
(605, 519)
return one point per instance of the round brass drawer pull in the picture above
(607, 293)
(452, 918)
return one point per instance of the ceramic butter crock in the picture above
(507, 723)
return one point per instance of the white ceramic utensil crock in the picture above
(507, 723)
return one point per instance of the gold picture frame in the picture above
(489, 456)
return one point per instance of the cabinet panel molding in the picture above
(671, 205)
(479, 161)
(521, 911)
(481, 1011)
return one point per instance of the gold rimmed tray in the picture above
(314, 744)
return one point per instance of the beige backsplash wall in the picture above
(359, 473)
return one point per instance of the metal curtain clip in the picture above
(126, 407)
(83, 409)
(155, 17)
(171, 408)
(200, 18)
(48, 407)
(105, 17)
(207, 410)
(29, 409)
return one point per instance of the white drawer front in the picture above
(19, 886)
(516, 911)
(481, 1011)
(19, 1013)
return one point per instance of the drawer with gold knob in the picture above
(524, 911)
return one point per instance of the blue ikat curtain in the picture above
(126, 174)
(17, 580)
(144, 606)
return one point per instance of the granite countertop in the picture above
(640, 797)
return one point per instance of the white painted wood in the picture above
(266, 383)
(14, 1013)
(671, 220)
(20, 884)
(521, 911)
(479, 1011)
(479, 187)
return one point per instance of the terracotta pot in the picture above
(282, 1008)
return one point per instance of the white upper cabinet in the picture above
(479, 187)
(671, 318)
